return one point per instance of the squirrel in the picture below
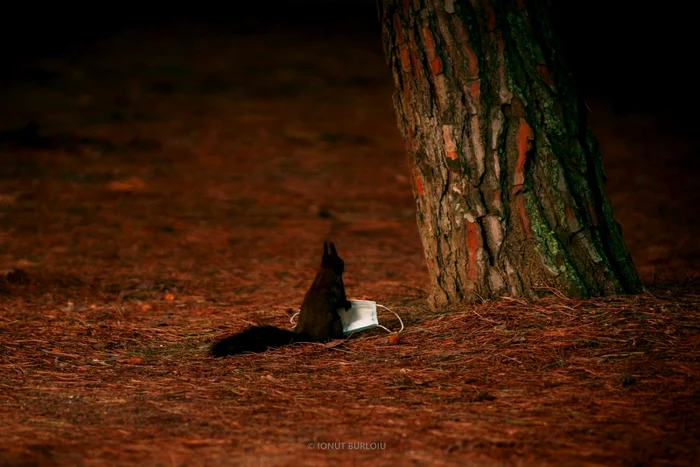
(319, 320)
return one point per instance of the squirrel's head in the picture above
(331, 260)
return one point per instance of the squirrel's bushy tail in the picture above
(255, 339)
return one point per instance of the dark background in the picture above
(639, 56)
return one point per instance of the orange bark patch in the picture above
(450, 145)
(405, 60)
(414, 61)
(520, 203)
(406, 6)
(436, 65)
(473, 61)
(523, 138)
(475, 90)
(433, 58)
(497, 196)
(429, 42)
(472, 247)
(521, 4)
(398, 30)
(544, 73)
(490, 15)
(419, 184)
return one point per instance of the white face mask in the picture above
(362, 315)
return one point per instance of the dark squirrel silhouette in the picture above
(319, 320)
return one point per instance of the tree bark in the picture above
(507, 175)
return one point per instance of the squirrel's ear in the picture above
(325, 249)
(333, 252)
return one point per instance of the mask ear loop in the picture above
(395, 314)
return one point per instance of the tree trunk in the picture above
(507, 176)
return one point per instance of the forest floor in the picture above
(178, 186)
